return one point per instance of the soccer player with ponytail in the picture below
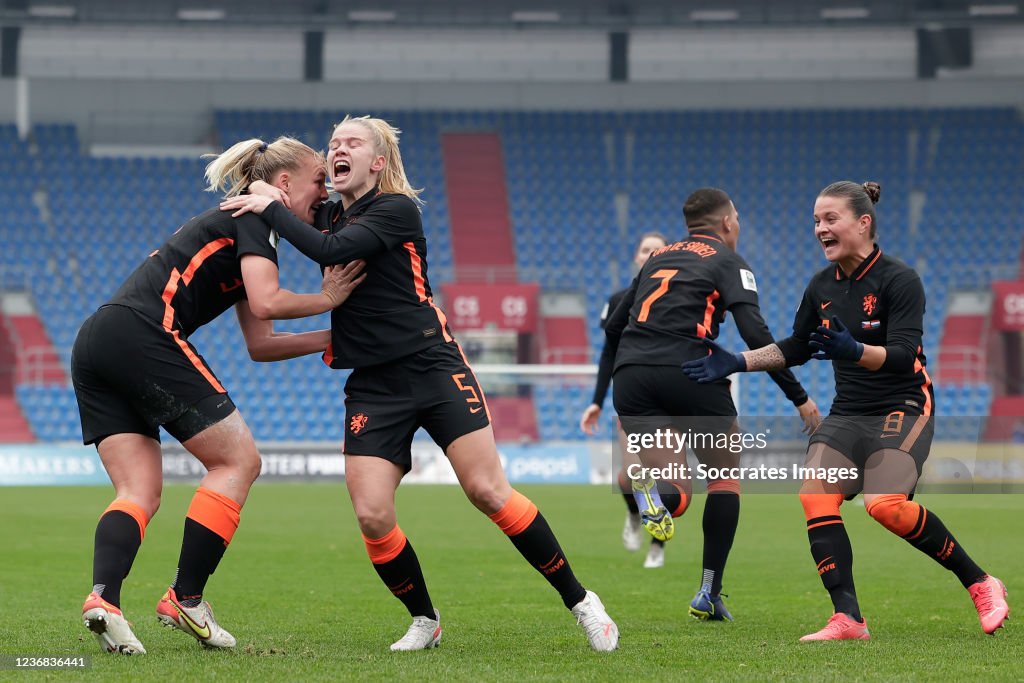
(134, 370)
(864, 312)
(409, 372)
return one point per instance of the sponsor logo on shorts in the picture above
(357, 423)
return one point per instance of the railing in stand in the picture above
(34, 364)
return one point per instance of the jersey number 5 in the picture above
(665, 275)
(473, 397)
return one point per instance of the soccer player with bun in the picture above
(632, 530)
(134, 370)
(409, 372)
(678, 299)
(864, 312)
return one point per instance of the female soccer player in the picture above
(864, 313)
(134, 370)
(679, 298)
(409, 373)
(632, 532)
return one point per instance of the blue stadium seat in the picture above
(563, 171)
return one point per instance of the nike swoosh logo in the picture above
(476, 410)
(550, 562)
(825, 305)
(201, 631)
(885, 436)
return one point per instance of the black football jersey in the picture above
(881, 303)
(392, 312)
(197, 274)
(609, 307)
(679, 297)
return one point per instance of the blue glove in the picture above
(717, 364)
(835, 343)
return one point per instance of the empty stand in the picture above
(561, 171)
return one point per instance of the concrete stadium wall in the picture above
(160, 86)
(180, 112)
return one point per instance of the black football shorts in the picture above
(435, 389)
(132, 376)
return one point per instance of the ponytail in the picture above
(242, 164)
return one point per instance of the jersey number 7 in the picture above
(665, 275)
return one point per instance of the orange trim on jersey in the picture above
(483, 399)
(516, 515)
(387, 547)
(206, 252)
(216, 512)
(710, 237)
(417, 270)
(919, 367)
(927, 395)
(171, 289)
(709, 311)
(329, 353)
(132, 510)
(868, 267)
(443, 319)
(419, 283)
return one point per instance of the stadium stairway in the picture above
(564, 340)
(8, 357)
(478, 204)
(1006, 422)
(14, 428)
(962, 352)
(41, 365)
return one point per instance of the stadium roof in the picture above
(589, 14)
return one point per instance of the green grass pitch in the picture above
(298, 591)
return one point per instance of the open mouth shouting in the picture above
(829, 244)
(342, 170)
